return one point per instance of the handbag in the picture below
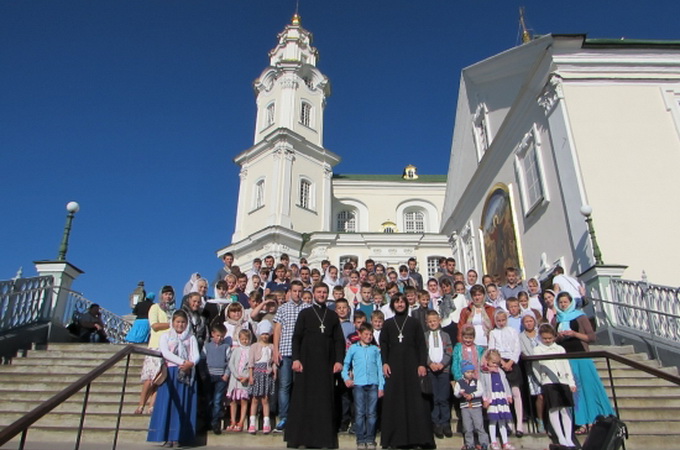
(425, 385)
(162, 375)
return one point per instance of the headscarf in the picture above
(196, 323)
(237, 324)
(433, 295)
(179, 345)
(529, 313)
(189, 286)
(568, 314)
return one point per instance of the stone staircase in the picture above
(648, 405)
(31, 380)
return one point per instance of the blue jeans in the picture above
(441, 388)
(285, 384)
(365, 412)
(219, 386)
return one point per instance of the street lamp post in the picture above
(72, 208)
(587, 210)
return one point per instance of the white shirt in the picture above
(506, 341)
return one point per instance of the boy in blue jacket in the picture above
(363, 371)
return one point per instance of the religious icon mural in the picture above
(500, 239)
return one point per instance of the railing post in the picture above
(122, 400)
(22, 442)
(82, 416)
(63, 273)
(598, 281)
(611, 383)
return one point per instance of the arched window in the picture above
(306, 114)
(269, 114)
(258, 195)
(305, 194)
(347, 221)
(414, 222)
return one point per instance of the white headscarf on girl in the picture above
(179, 345)
(190, 285)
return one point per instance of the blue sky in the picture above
(136, 108)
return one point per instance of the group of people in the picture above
(367, 349)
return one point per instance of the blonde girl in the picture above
(237, 391)
(262, 376)
(496, 398)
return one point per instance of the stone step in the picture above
(662, 441)
(630, 372)
(73, 405)
(19, 370)
(638, 391)
(636, 381)
(46, 377)
(69, 355)
(601, 364)
(666, 426)
(85, 365)
(616, 349)
(659, 412)
(91, 348)
(59, 385)
(95, 395)
(645, 401)
(72, 419)
(43, 437)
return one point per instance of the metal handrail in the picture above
(22, 424)
(608, 357)
(652, 333)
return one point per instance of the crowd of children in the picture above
(230, 359)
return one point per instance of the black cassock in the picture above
(406, 420)
(311, 417)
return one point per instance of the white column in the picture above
(63, 274)
(326, 207)
(242, 204)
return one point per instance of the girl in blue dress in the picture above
(173, 421)
(574, 334)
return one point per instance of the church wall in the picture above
(386, 202)
(629, 152)
(306, 219)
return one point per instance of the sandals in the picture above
(231, 427)
(139, 410)
(238, 428)
(583, 429)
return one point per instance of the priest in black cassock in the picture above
(406, 421)
(318, 352)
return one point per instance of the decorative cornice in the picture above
(551, 94)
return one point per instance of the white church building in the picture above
(290, 201)
(556, 124)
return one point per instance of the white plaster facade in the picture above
(291, 202)
(565, 121)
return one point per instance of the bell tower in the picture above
(285, 178)
(291, 92)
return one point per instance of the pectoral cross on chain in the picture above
(321, 327)
(400, 337)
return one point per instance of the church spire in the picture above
(291, 92)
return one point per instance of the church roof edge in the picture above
(391, 177)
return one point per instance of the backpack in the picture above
(607, 433)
